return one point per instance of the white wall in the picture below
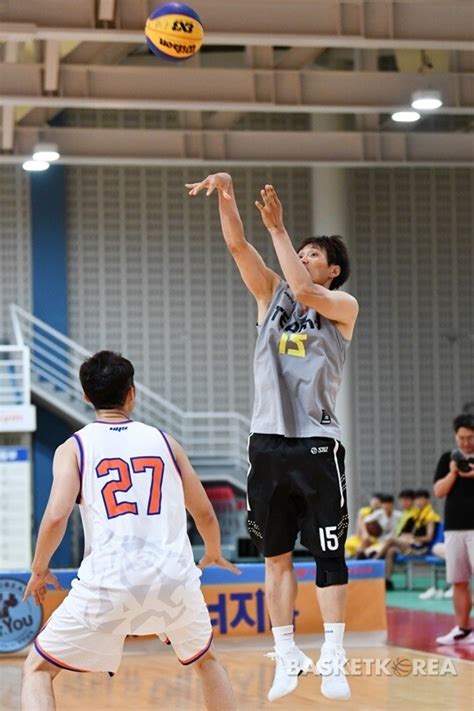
(413, 355)
(149, 275)
(15, 244)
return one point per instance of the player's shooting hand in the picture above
(271, 211)
(37, 585)
(222, 182)
(220, 561)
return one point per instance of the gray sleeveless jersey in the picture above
(298, 369)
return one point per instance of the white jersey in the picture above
(138, 565)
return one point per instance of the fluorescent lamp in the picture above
(35, 165)
(46, 152)
(405, 116)
(426, 99)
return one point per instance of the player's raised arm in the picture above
(259, 279)
(200, 508)
(337, 306)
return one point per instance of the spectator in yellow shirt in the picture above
(415, 542)
(406, 499)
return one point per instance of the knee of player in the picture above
(279, 563)
(35, 663)
(209, 656)
(331, 571)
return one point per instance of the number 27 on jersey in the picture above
(151, 466)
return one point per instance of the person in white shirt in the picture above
(133, 484)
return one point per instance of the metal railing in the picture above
(210, 437)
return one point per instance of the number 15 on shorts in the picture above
(328, 538)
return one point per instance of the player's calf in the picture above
(37, 683)
(215, 684)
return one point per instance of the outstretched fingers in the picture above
(195, 188)
(210, 184)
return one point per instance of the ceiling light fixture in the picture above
(35, 165)
(405, 116)
(426, 99)
(46, 152)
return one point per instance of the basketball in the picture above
(373, 529)
(174, 32)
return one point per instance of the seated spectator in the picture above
(386, 519)
(406, 499)
(414, 543)
(354, 542)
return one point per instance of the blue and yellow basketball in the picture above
(174, 32)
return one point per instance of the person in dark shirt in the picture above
(454, 481)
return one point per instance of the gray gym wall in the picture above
(149, 275)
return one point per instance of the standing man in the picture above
(133, 483)
(454, 479)
(296, 481)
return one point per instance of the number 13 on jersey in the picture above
(153, 466)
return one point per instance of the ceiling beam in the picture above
(20, 33)
(258, 58)
(303, 23)
(299, 57)
(8, 128)
(160, 147)
(106, 10)
(98, 53)
(51, 66)
(205, 89)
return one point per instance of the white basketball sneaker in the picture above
(456, 636)
(288, 668)
(330, 667)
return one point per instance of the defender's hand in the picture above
(37, 585)
(216, 181)
(220, 561)
(272, 210)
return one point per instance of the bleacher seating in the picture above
(435, 564)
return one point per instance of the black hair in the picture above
(466, 420)
(336, 252)
(422, 492)
(407, 494)
(377, 495)
(106, 379)
(387, 498)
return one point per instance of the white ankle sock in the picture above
(334, 633)
(283, 637)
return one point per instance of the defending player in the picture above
(133, 484)
(296, 481)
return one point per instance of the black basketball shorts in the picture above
(297, 485)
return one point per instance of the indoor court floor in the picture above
(151, 678)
